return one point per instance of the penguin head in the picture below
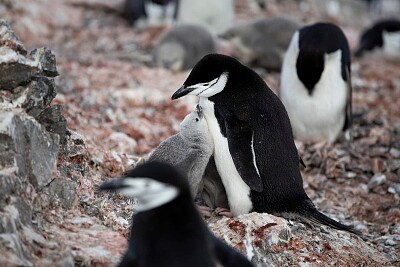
(194, 127)
(153, 184)
(208, 77)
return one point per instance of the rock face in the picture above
(42, 165)
(28, 151)
(272, 241)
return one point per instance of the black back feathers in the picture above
(315, 41)
(173, 234)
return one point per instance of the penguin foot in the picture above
(223, 212)
(204, 210)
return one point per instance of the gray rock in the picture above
(394, 188)
(54, 121)
(376, 180)
(9, 39)
(272, 241)
(64, 191)
(15, 68)
(38, 95)
(47, 61)
(13, 252)
(34, 149)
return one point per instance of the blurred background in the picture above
(120, 61)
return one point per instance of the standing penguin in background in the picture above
(135, 10)
(254, 149)
(382, 38)
(316, 83)
(167, 230)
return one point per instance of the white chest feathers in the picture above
(238, 192)
(321, 115)
(391, 45)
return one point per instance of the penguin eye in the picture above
(197, 119)
(206, 84)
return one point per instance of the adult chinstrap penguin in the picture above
(254, 149)
(315, 83)
(167, 230)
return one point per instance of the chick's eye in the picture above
(197, 119)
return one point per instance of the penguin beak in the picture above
(181, 92)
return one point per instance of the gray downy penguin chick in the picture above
(381, 39)
(182, 46)
(167, 230)
(213, 190)
(315, 84)
(263, 42)
(215, 16)
(189, 150)
(254, 152)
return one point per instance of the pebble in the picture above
(390, 242)
(376, 180)
(394, 188)
(351, 175)
(395, 152)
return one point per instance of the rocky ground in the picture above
(117, 108)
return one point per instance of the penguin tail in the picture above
(311, 214)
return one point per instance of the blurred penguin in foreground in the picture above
(167, 230)
(182, 46)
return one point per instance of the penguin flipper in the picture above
(240, 142)
(349, 114)
(227, 255)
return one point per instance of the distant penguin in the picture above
(315, 84)
(167, 230)
(189, 150)
(215, 16)
(182, 46)
(382, 39)
(135, 10)
(263, 42)
(254, 148)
